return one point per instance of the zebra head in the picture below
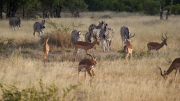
(101, 24)
(43, 24)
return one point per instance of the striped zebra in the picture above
(13, 22)
(106, 36)
(125, 34)
(39, 27)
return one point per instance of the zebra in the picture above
(39, 27)
(106, 36)
(76, 35)
(88, 37)
(125, 34)
(13, 22)
(93, 26)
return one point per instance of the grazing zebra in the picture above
(13, 22)
(39, 27)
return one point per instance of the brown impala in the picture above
(175, 65)
(87, 65)
(87, 46)
(156, 46)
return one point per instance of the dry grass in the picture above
(115, 79)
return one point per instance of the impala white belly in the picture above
(83, 69)
(92, 67)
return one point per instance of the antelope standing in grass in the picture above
(125, 34)
(175, 65)
(156, 46)
(87, 65)
(84, 45)
(13, 22)
(128, 49)
(39, 27)
(46, 49)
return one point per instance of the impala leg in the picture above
(127, 56)
(78, 75)
(87, 52)
(46, 56)
(175, 75)
(93, 72)
(149, 49)
(75, 54)
(85, 75)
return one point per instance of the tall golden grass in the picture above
(115, 79)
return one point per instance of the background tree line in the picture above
(53, 8)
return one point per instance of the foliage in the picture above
(61, 36)
(176, 9)
(11, 93)
(53, 8)
(4, 46)
(150, 6)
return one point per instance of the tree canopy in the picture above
(53, 8)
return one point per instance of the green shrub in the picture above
(4, 46)
(175, 9)
(149, 7)
(11, 93)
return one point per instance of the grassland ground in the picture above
(22, 63)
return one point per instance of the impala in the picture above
(46, 49)
(175, 65)
(87, 46)
(87, 65)
(156, 46)
(128, 49)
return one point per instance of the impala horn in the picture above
(160, 71)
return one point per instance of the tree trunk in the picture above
(168, 12)
(43, 14)
(58, 12)
(161, 14)
(23, 11)
(171, 6)
(1, 11)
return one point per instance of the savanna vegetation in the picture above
(23, 75)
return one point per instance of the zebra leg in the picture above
(18, 27)
(110, 45)
(39, 34)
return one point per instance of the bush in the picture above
(175, 9)
(149, 7)
(11, 93)
(58, 39)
